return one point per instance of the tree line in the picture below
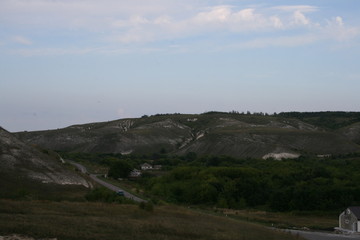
(304, 184)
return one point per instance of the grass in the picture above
(94, 221)
(300, 220)
(13, 185)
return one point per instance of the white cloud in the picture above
(103, 16)
(89, 14)
(339, 21)
(336, 29)
(22, 40)
(227, 18)
(276, 21)
(140, 22)
(215, 14)
(54, 51)
(217, 18)
(294, 8)
(300, 19)
(283, 41)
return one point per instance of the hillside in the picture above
(25, 171)
(213, 133)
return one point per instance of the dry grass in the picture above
(75, 220)
(286, 220)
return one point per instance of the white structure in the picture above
(146, 166)
(349, 220)
(135, 173)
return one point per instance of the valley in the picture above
(221, 176)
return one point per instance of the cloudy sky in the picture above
(65, 62)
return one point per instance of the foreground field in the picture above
(304, 220)
(81, 220)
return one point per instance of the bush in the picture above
(106, 195)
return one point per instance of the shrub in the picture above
(106, 195)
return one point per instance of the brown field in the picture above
(100, 221)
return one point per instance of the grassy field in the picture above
(310, 220)
(86, 221)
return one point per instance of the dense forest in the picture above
(304, 184)
(307, 183)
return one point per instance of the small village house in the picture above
(349, 220)
(135, 173)
(146, 166)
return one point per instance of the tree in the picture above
(191, 156)
(119, 169)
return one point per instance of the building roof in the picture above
(356, 211)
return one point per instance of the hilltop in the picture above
(213, 133)
(26, 171)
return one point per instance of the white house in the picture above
(349, 220)
(146, 166)
(135, 173)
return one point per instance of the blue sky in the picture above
(65, 62)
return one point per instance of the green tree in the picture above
(119, 169)
(191, 156)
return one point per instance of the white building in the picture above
(146, 166)
(349, 220)
(135, 173)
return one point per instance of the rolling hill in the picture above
(25, 171)
(212, 133)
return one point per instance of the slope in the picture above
(238, 135)
(26, 171)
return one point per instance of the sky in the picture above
(65, 62)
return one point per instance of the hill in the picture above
(27, 172)
(212, 133)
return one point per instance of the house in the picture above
(349, 220)
(135, 173)
(146, 166)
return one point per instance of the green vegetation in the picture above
(216, 133)
(298, 220)
(102, 194)
(94, 221)
(330, 120)
(304, 192)
(15, 186)
(289, 185)
(304, 184)
(120, 169)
